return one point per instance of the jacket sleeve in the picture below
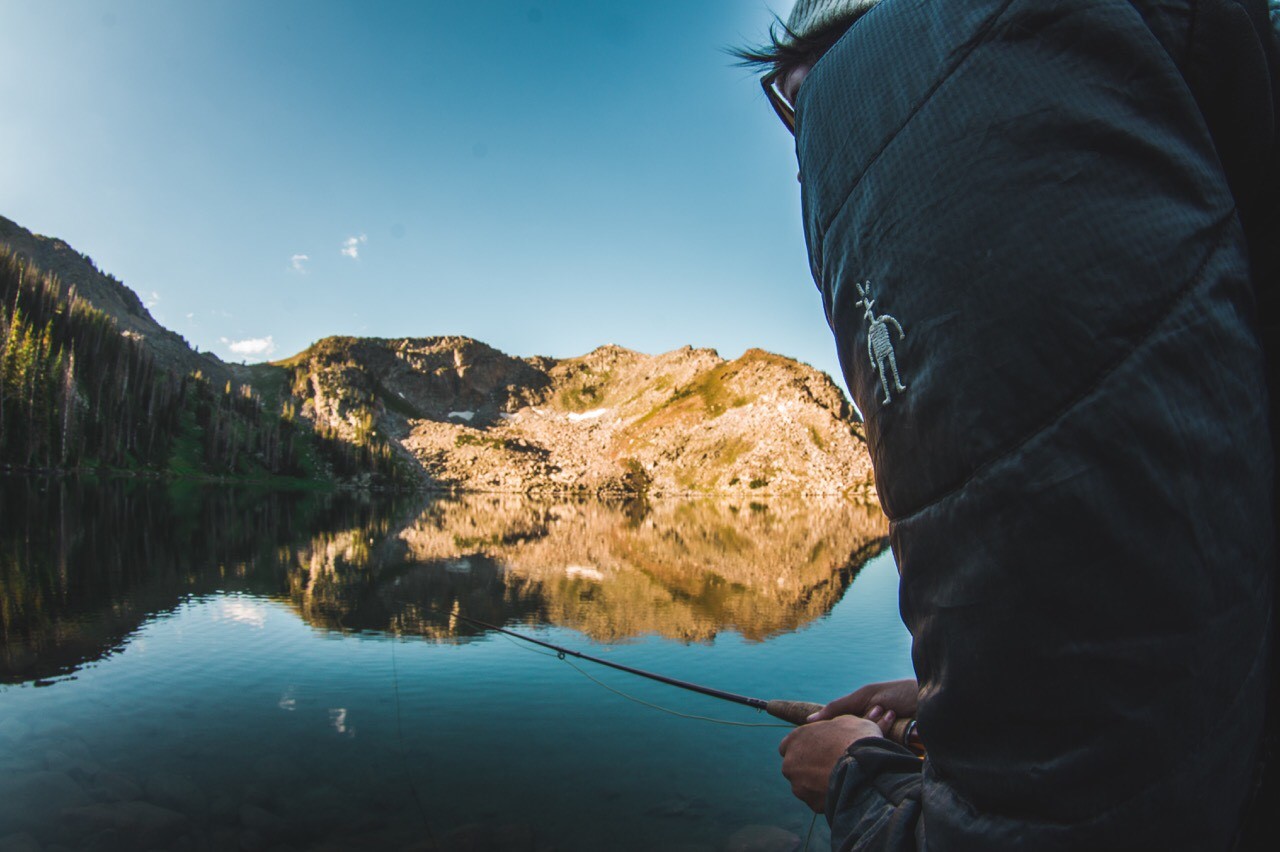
(873, 804)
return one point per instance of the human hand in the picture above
(809, 753)
(898, 696)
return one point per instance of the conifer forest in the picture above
(76, 393)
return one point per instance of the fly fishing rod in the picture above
(796, 712)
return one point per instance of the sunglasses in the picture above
(778, 101)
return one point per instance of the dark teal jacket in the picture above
(1046, 238)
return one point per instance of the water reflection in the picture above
(682, 570)
(82, 566)
(232, 719)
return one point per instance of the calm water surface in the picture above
(202, 668)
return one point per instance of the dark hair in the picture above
(786, 49)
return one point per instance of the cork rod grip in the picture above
(798, 712)
(795, 712)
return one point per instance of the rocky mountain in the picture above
(445, 412)
(472, 418)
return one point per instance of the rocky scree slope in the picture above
(613, 420)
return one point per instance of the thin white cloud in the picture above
(351, 246)
(253, 347)
(153, 301)
(298, 262)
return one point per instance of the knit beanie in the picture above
(810, 16)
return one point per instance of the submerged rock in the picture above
(475, 837)
(135, 825)
(679, 806)
(257, 793)
(179, 793)
(276, 770)
(515, 837)
(261, 821)
(183, 844)
(36, 798)
(12, 730)
(323, 810)
(252, 841)
(762, 838)
(114, 787)
(223, 840)
(108, 840)
(368, 840)
(19, 843)
(223, 810)
(71, 757)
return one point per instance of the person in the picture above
(1047, 240)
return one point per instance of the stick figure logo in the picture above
(879, 342)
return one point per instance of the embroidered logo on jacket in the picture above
(880, 342)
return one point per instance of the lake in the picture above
(194, 667)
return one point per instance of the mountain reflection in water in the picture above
(682, 570)
(232, 668)
(83, 566)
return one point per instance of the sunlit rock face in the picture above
(612, 421)
(681, 569)
(352, 385)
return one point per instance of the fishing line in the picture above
(404, 760)
(527, 648)
(642, 701)
(812, 823)
(560, 655)
(523, 647)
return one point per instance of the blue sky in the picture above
(545, 175)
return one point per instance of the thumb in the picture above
(845, 707)
(829, 711)
(821, 715)
(853, 704)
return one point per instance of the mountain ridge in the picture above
(80, 276)
(473, 418)
(453, 413)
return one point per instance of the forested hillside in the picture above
(76, 392)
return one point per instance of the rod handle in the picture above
(798, 712)
(795, 712)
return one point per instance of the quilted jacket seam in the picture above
(979, 39)
(1184, 292)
